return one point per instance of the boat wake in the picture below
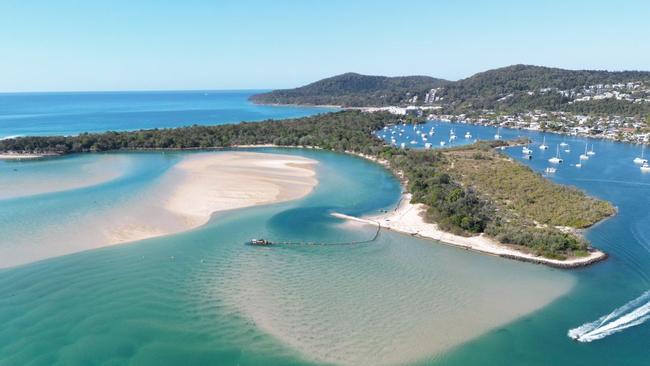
(633, 313)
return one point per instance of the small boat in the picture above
(556, 159)
(402, 145)
(550, 170)
(432, 132)
(584, 156)
(468, 135)
(543, 146)
(526, 150)
(442, 143)
(413, 142)
(591, 152)
(567, 150)
(498, 135)
(528, 156)
(642, 159)
(645, 168)
(579, 165)
(563, 144)
(259, 242)
(427, 145)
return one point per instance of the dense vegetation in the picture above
(517, 88)
(468, 190)
(353, 90)
(508, 88)
(528, 208)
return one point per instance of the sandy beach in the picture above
(18, 156)
(408, 218)
(205, 183)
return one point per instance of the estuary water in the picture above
(72, 113)
(202, 297)
(609, 307)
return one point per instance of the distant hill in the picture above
(354, 90)
(524, 87)
(509, 89)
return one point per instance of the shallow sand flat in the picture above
(394, 301)
(40, 177)
(183, 198)
(217, 182)
(205, 183)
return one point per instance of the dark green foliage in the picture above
(451, 206)
(503, 90)
(336, 131)
(486, 90)
(353, 90)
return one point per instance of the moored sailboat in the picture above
(556, 159)
(642, 159)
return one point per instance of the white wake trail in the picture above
(629, 315)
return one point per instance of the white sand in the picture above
(202, 184)
(18, 156)
(408, 218)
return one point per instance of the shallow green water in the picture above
(204, 298)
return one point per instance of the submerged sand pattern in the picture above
(185, 197)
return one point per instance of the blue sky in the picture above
(199, 44)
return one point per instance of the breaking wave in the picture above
(633, 313)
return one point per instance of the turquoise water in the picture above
(203, 297)
(72, 113)
(541, 338)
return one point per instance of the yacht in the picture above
(645, 167)
(427, 145)
(584, 156)
(550, 170)
(442, 143)
(591, 152)
(402, 145)
(556, 159)
(498, 135)
(432, 132)
(642, 159)
(526, 150)
(468, 135)
(543, 146)
(452, 135)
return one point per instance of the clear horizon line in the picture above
(129, 91)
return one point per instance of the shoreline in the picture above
(24, 156)
(413, 224)
(407, 218)
(370, 109)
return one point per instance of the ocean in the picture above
(71, 113)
